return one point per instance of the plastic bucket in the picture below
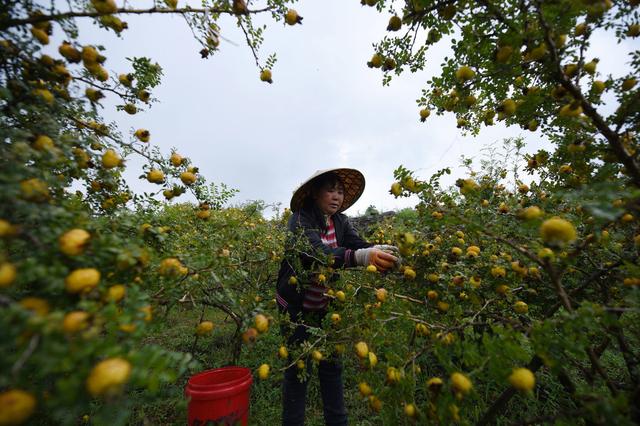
(219, 396)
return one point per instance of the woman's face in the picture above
(329, 199)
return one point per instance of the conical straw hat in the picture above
(353, 182)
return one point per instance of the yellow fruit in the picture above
(36, 305)
(373, 359)
(598, 86)
(130, 109)
(531, 213)
(75, 321)
(176, 159)
(263, 371)
(155, 176)
(283, 352)
(422, 329)
(522, 379)
(104, 6)
(172, 267)
(16, 406)
(375, 403)
(424, 114)
(432, 294)
(410, 410)
(537, 53)
(40, 35)
(456, 251)
(396, 189)
(590, 67)
(293, 280)
(381, 294)
(362, 350)
(498, 271)
(7, 274)
(265, 75)
(43, 143)
(317, 356)
(292, 17)
(443, 306)
(395, 23)
(73, 243)
(372, 268)
(6, 229)
(34, 190)
(82, 280)
(143, 135)
(187, 178)
(557, 231)
(465, 73)
(250, 335)
(262, 323)
(69, 52)
(376, 61)
(364, 388)
(340, 295)
(521, 307)
(627, 218)
(580, 29)
(205, 327)
(125, 79)
(409, 273)
(335, 318)
(111, 159)
(508, 107)
(461, 383)
(628, 83)
(108, 377)
(116, 293)
(203, 214)
(433, 278)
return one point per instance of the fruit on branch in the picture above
(395, 23)
(108, 377)
(155, 176)
(111, 159)
(16, 407)
(265, 75)
(104, 6)
(263, 371)
(73, 242)
(522, 379)
(204, 328)
(557, 231)
(292, 17)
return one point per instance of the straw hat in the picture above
(353, 182)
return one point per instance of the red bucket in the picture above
(220, 396)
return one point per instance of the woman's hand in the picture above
(376, 257)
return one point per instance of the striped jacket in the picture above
(293, 298)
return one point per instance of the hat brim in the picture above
(353, 182)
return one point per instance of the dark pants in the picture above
(294, 391)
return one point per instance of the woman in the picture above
(317, 207)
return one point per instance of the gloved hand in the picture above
(376, 257)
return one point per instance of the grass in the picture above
(170, 406)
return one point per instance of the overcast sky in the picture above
(325, 109)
